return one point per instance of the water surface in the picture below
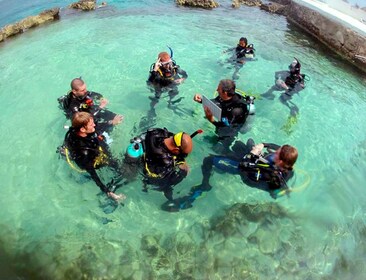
(54, 222)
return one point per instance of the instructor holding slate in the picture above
(234, 112)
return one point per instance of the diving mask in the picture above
(166, 63)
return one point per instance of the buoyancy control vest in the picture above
(234, 110)
(262, 168)
(158, 160)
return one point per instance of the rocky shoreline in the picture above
(343, 40)
(42, 18)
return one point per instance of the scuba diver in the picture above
(243, 52)
(165, 75)
(267, 170)
(79, 99)
(291, 81)
(161, 154)
(88, 151)
(234, 112)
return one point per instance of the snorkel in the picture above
(198, 131)
(171, 52)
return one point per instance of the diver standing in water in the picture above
(79, 99)
(165, 75)
(291, 81)
(243, 52)
(234, 112)
(88, 151)
(161, 155)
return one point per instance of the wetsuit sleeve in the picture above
(154, 75)
(95, 95)
(182, 73)
(85, 161)
(271, 146)
(97, 180)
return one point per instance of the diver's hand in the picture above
(157, 65)
(179, 81)
(184, 167)
(103, 103)
(116, 197)
(117, 119)
(209, 114)
(198, 98)
(257, 149)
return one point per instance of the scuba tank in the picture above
(135, 149)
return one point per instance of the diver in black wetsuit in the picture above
(163, 158)
(165, 75)
(292, 81)
(81, 100)
(234, 112)
(268, 170)
(243, 52)
(88, 151)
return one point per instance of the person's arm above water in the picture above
(183, 75)
(271, 147)
(229, 50)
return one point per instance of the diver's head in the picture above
(83, 123)
(180, 144)
(295, 66)
(78, 88)
(243, 42)
(286, 157)
(226, 89)
(165, 60)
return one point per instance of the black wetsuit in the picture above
(85, 150)
(233, 116)
(163, 79)
(294, 80)
(102, 117)
(253, 171)
(241, 52)
(161, 167)
(263, 169)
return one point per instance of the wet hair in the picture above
(80, 119)
(164, 56)
(228, 86)
(288, 155)
(76, 83)
(244, 39)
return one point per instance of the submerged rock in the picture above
(29, 22)
(85, 5)
(150, 244)
(206, 4)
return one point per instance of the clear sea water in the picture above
(54, 224)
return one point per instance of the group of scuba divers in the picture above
(160, 155)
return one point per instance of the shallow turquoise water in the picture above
(55, 225)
